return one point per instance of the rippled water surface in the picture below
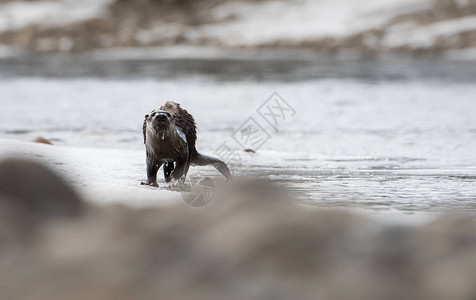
(388, 135)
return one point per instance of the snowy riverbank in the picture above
(104, 176)
(369, 28)
(107, 176)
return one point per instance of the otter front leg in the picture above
(152, 169)
(180, 172)
(168, 169)
(181, 167)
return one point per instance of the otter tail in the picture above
(205, 160)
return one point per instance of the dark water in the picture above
(261, 68)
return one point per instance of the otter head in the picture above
(160, 120)
(171, 107)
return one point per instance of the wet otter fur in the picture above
(169, 137)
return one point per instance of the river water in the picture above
(379, 135)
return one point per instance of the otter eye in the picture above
(169, 115)
(146, 116)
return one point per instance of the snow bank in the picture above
(415, 36)
(113, 176)
(270, 21)
(16, 15)
(104, 176)
(348, 24)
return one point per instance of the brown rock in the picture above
(42, 140)
(36, 191)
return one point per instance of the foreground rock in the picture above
(252, 242)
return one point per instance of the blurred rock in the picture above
(36, 191)
(251, 242)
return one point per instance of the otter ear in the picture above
(146, 117)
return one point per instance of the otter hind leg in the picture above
(180, 171)
(205, 160)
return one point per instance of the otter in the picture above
(169, 137)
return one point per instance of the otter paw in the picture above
(154, 184)
(178, 185)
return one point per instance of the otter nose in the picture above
(160, 117)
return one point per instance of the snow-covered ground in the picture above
(103, 176)
(111, 176)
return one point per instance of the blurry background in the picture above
(384, 91)
(404, 26)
